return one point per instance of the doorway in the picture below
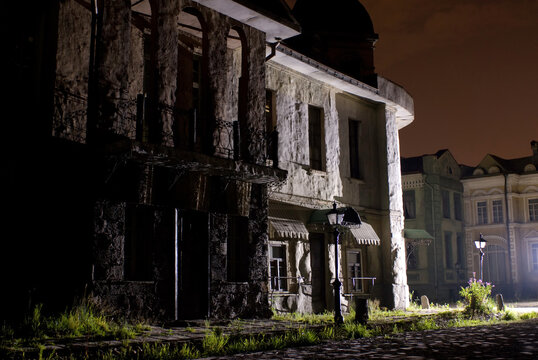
(318, 261)
(192, 265)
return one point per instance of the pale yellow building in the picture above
(501, 202)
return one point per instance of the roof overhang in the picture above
(271, 27)
(387, 92)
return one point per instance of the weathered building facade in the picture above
(149, 155)
(338, 126)
(501, 202)
(434, 226)
(158, 184)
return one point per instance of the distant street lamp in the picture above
(481, 244)
(337, 219)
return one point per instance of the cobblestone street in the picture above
(505, 341)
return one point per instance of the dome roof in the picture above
(334, 16)
(339, 34)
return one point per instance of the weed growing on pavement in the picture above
(325, 317)
(529, 315)
(477, 295)
(215, 342)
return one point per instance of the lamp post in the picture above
(480, 244)
(335, 219)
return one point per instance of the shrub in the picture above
(477, 295)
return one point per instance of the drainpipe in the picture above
(435, 237)
(508, 226)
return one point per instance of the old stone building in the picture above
(338, 125)
(138, 168)
(434, 228)
(143, 170)
(501, 202)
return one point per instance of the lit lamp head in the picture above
(334, 217)
(480, 243)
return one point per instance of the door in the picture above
(319, 279)
(193, 263)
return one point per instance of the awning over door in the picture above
(418, 236)
(287, 228)
(365, 234)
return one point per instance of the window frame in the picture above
(497, 211)
(533, 256)
(281, 262)
(358, 288)
(482, 212)
(533, 209)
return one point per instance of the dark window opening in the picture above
(271, 122)
(409, 204)
(190, 125)
(237, 249)
(316, 138)
(446, 203)
(458, 213)
(460, 249)
(354, 157)
(138, 244)
(449, 256)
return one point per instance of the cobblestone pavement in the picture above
(504, 341)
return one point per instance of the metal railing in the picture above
(128, 118)
(70, 116)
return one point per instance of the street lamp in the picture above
(480, 244)
(335, 219)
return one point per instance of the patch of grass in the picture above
(326, 317)
(355, 330)
(424, 324)
(215, 342)
(529, 315)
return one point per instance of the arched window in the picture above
(190, 117)
(237, 44)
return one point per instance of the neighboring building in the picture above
(501, 202)
(338, 128)
(435, 240)
(137, 158)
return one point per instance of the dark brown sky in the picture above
(472, 69)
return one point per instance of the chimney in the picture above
(534, 146)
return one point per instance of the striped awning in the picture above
(287, 228)
(365, 234)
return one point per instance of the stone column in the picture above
(111, 69)
(164, 34)
(393, 245)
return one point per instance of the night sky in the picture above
(472, 69)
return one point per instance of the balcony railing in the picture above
(128, 119)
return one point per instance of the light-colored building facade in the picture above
(501, 202)
(338, 142)
(433, 202)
